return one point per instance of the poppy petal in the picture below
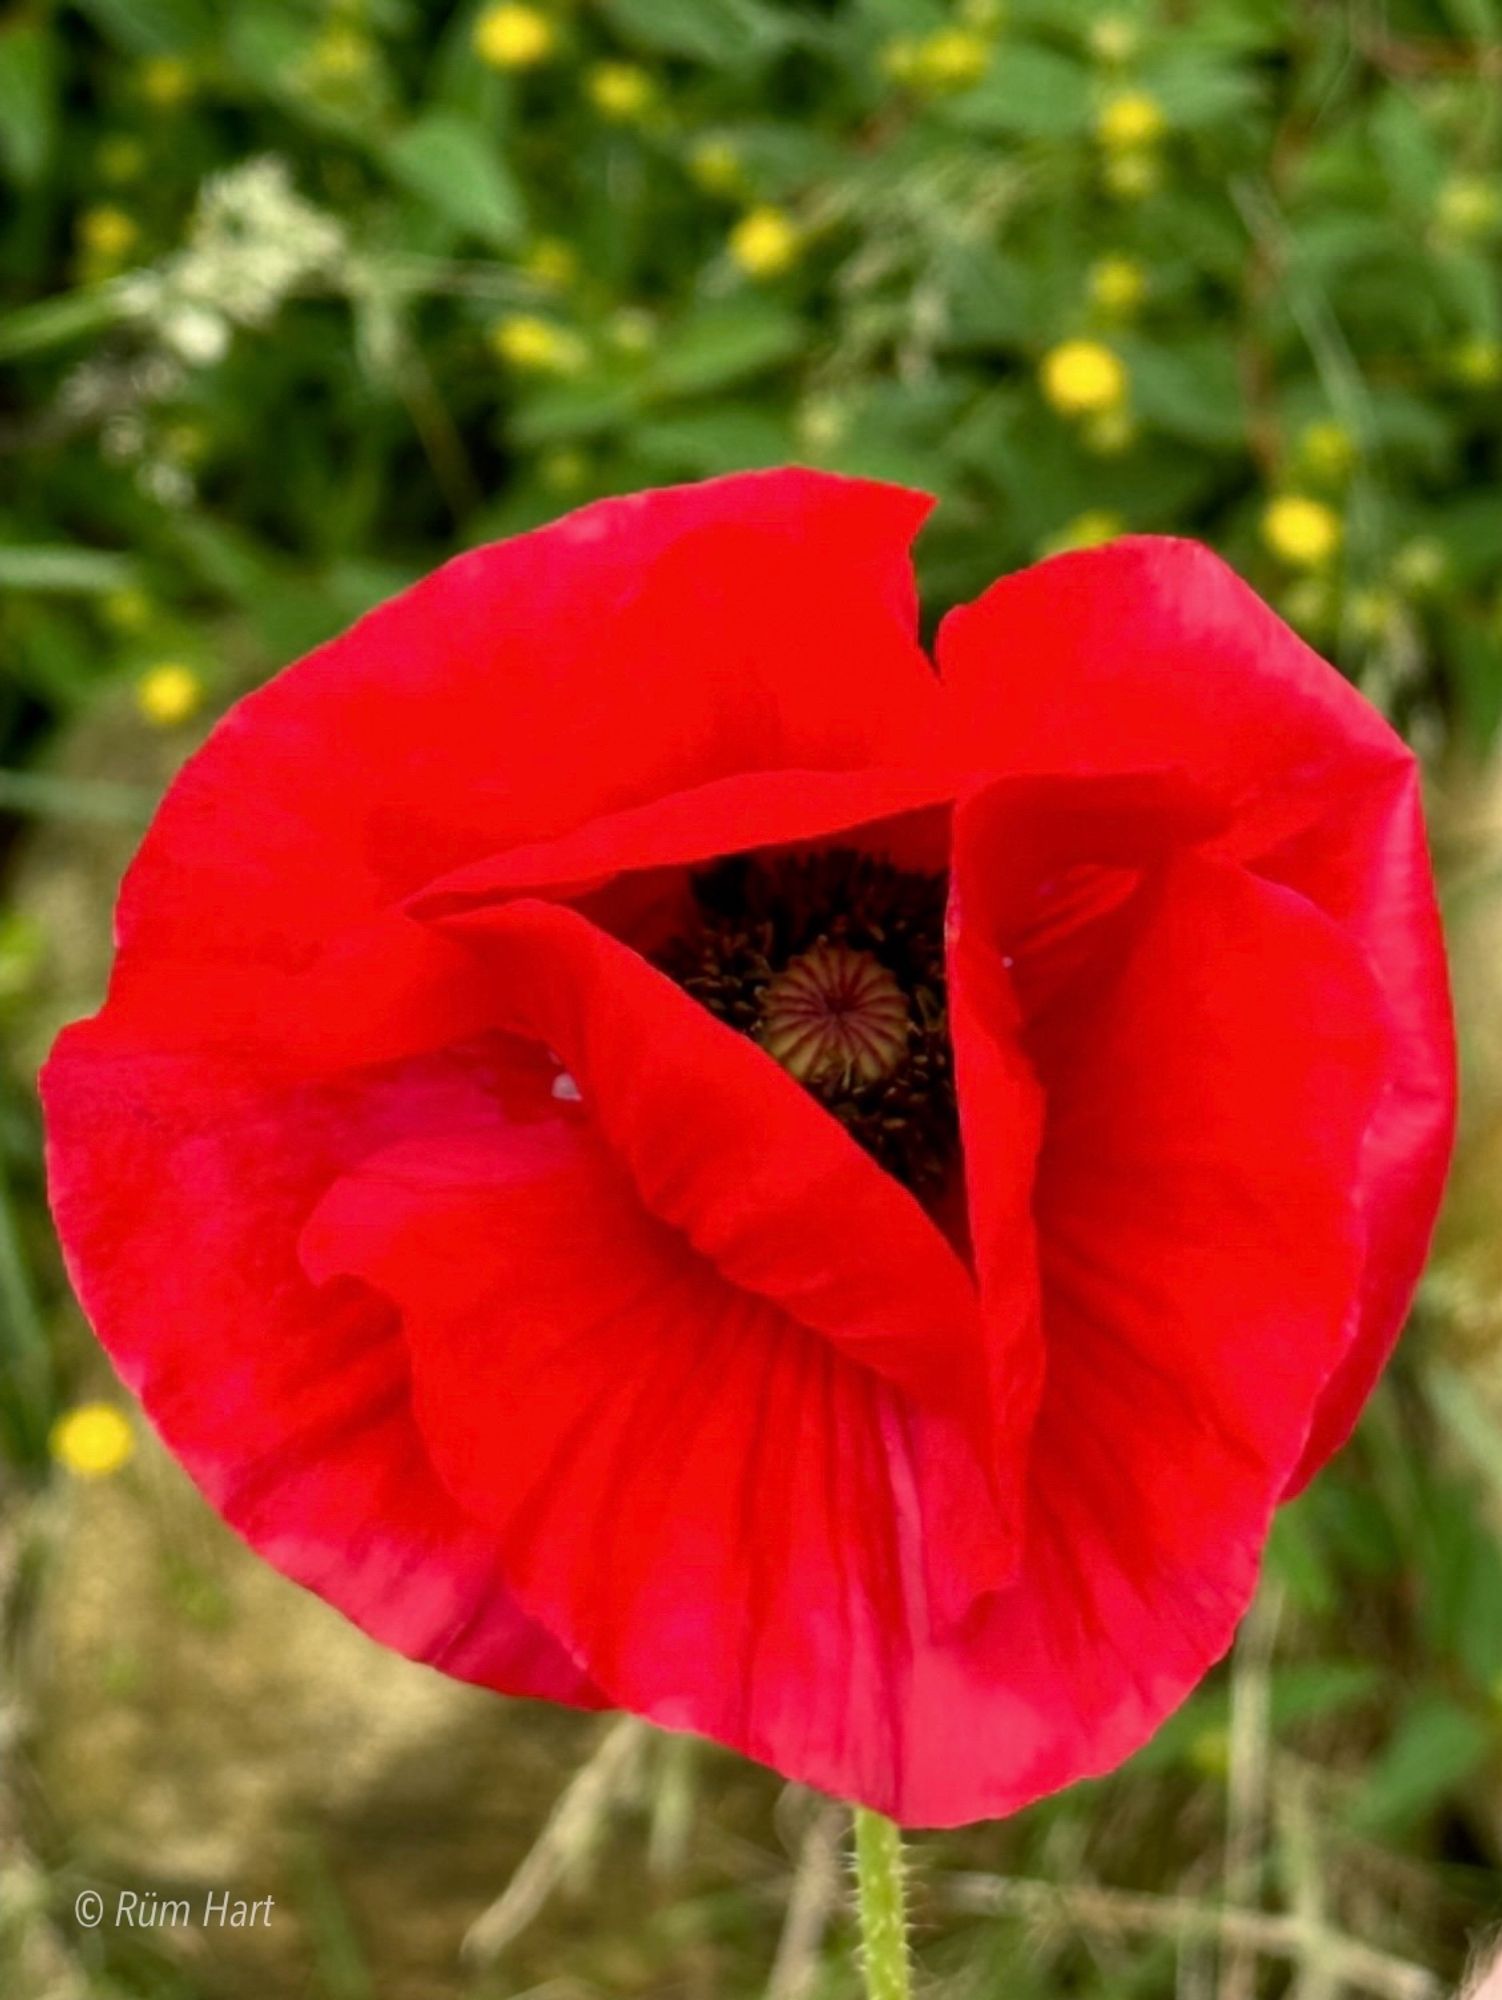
(180, 1186)
(1209, 1095)
(711, 1503)
(1037, 865)
(762, 809)
(1153, 653)
(642, 646)
(770, 1188)
(1379, 887)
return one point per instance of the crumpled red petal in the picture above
(180, 1185)
(640, 647)
(1199, 1245)
(769, 1188)
(714, 1499)
(1152, 653)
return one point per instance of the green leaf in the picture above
(1406, 149)
(263, 46)
(1480, 19)
(890, 18)
(1460, 1564)
(26, 1384)
(992, 300)
(732, 34)
(40, 794)
(1475, 656)
(1299, 1694)
(729, 437)
(31, 329)
(151, 27)
(28, 99)
(1467, 1419)
(1470, 527)
(1328, 244)
(782, 159)
(1030, 93)
(1196, 91)
(1190, 391)
(568, 411)
(1309, 1692)
(64, 571)
(725, 343)
(291, 608)
(1437, 1746)
(1297, 1560)
(451, 165)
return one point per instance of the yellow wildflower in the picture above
(127, 610)
(1421, 566)
(107, 235)
(341, 54)
(1469, 207)
(565, 470)
(620, 91)
(766, 243)
(1082, 378)
(535, 346)
(1304, 533)
(1310, 604)
(1085, 531)
(165, 81)
(823, 423)
(20, 954)
(1373, 615)
(512, 36)
(633, 330)
(121, 157)
(169, 693)
(1109, 434)
(716, 167)
(952, 59)
(1478, 363)
(1118, 285)
(92, 1440)
(187, 442)
(1129, 120)
(1327, 451)
(900, 59)
(1132, 176)
(551, 263)
(1113, 39)
(1210, 1753)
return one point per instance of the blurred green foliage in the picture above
(304, 294)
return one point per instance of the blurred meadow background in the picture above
(302, 296)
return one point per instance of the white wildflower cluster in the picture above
(116, 398)
(251, 243)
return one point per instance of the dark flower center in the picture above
(834, 963)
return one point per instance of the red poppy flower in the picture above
(658, 1152)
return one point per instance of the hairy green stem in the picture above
(883, 1907)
